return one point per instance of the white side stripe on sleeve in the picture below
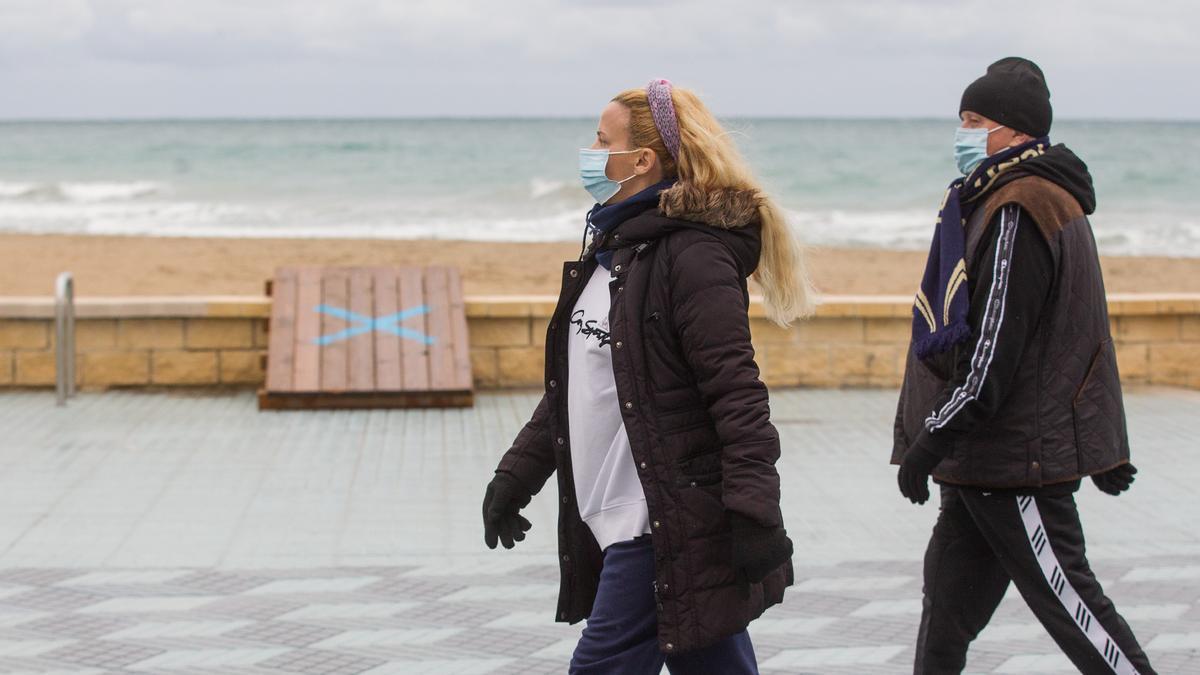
(993, 318)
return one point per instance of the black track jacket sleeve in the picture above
(1009, 287)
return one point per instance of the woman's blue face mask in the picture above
(592, 166)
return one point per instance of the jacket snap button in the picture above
(561, 441)
(628, 405)
(620, 344)
(617, 268)
(643, 465)
(620, 288)
(658, 524)
(670, 646)
(666, 586)
(574, 273)
(566, 558)
(1036, 465)
(553, 383)
(566, 500)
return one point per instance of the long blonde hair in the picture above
(709, 161)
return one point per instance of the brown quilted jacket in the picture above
(1063, 416)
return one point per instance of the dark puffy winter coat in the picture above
(694, 407)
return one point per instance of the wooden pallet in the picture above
(367, 337)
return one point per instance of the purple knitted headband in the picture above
(658, 93)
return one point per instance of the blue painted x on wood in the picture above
(367, 324)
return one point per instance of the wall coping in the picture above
(514, 306)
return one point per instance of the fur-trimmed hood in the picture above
(726, 208)
(730, 215)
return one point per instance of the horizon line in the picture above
(535, 118)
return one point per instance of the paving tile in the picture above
(297, 586)
(832, 656)
(387, 637)
(54, 599)
(211, 660)
(101, 654)
(323, 662)
(144, 605)
(283, 633)
(350, 610)
(1037, 663)
(176, 629)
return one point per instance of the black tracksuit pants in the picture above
(982, 541)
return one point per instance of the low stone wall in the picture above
(130, 342)
(221, 341)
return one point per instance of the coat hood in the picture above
(1064, 168)
(724, 208)
(729, 214)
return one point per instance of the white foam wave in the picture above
(104, 192)
(16, 190)
(84, 192)
(1117, 234)
(904, 230)
(540, 187)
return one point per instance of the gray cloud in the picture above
(134, 58)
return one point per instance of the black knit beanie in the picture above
(1013, 92)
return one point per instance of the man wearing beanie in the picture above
(1011, 394)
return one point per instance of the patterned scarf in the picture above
(940, 310)
(603, 218)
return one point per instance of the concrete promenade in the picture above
(189, 533)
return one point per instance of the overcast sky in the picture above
(860, 58)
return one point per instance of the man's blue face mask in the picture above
(592, 164)
(970, 147)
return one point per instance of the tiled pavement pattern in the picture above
(166, 534)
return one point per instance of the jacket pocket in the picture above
(699, 471)
(1099, 414)
(703, 509)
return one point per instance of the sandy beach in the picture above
(116, 265)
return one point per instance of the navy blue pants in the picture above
(621, 635)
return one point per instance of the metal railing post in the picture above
(64, 334)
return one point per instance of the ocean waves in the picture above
(145, 213)
(80, 192)
(845, 183)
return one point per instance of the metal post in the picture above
(64, 333)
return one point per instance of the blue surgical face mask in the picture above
(970, 147)
(592, 164)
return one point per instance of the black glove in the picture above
(757, 551)
(1115, 480)
(914, 473)
(505, 496)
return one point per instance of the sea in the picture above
(847, 183)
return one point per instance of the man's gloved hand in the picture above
(914, 473)
(1115, 480)
(757, 551)
(505, 496)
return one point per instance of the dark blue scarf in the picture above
(940, 310)
(602, 219)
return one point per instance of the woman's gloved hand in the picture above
(504, 498)
(757, 550)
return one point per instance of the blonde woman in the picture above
(670, 534)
